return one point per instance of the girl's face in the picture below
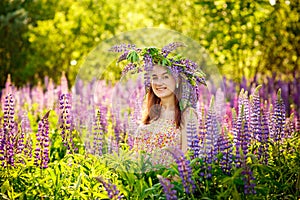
(162, 82)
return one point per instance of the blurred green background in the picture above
(41, 38)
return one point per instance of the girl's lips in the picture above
(161, 88)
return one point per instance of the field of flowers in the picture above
(57, 143)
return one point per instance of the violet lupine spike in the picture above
(184, 168)
(264, 140)
(122, 47)
(128, 67)
(255, 121)
(171, 47)
(97, 134)
(212, 131)
(202, 129)
(192, 134)
(65, 121)
(111, 189)
(41, 157)
(148, 68)
(237, 132)
(103, 117)
(249, 185)
(167, 188)
(117, 124)
(123, 56)
(278, 119)
(226, 148)
(7, 149)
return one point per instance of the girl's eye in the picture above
(166, 77)
(154, 78)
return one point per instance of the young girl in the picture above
(172, 92)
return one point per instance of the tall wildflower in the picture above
(192, 133)
(8, 136)
(41, 157)
(167, 188)
(278, 119)
(212, 135)
(98, 134)
(226, 149)
(185, 170)
(111, 189)
(241, 131)
(255, 116)
(263, 152)
(26, 129)
(148, 68)
(65, 121)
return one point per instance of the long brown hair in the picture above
(153, 108)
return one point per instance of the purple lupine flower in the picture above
(255, 117)
(103, 117)
(148, 68)
(167, 187)
(98, 134)
(237, 133)
(111, 189)
(226, 148)
(278, 119)
(25, 130)
(184, 168)
(264, 139)
(171, 47)
(65, 121)
(122, 47)
(128, 67)
(212, 134)
(123, 56)
(9, 132)
(41, 157)
(249, 185)
(192, 134)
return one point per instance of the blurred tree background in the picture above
(41, 38)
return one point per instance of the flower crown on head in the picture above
(142, 60)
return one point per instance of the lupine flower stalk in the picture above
(65, 121)
(171, 47)
(255, 116)
(264, 138)
(148, 68)
(226, 149)
(212, 136)
(111, 189)
(167, 188)
(41, 157)
(192, 134)
(98, 134)
(278, 119)
(184, 168)
(8, 138)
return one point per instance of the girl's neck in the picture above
(168, 104)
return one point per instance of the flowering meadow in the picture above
(57, 143)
